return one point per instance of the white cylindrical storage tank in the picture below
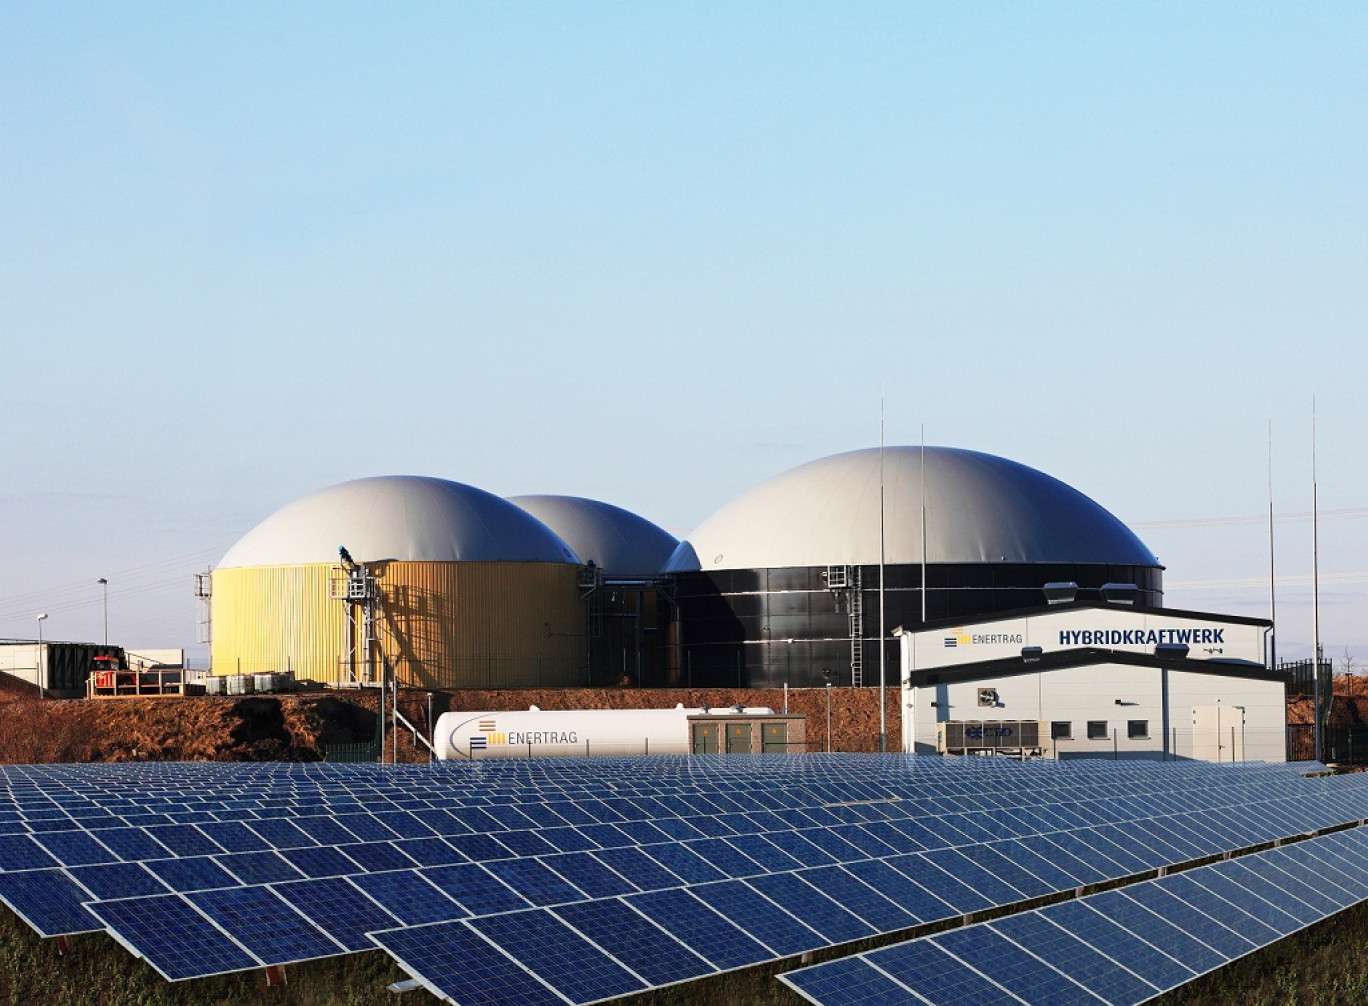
(569, 733)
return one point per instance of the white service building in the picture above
(1081, 679)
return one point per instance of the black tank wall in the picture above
(762, 628)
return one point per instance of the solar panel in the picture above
(835, 922)
(850, 981)
(195, 873)
(1073, 957)
(635, 941)
(409, 897)
(21, 852)
(700, 928)
(467, 969)
(266, 926)
(175, 939)
(1143, 959)
(990, 953)
(560, 956)
(339, 908)
(48, 900)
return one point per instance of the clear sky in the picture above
(653, 254)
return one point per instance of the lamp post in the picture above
(105, 584)
(40, 627)
(826, 673)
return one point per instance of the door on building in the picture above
(739, 738)
(705, 738)
(1218, 733)
(774, 739)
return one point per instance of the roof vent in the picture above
(1060, 591)
(1120, 593)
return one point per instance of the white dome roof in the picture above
(617, 540)
(399, 517)
(979, 508)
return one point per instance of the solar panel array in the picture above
(1122, 947)
(579, 880)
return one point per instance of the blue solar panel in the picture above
(468, 970)
(568, 840)
(1230, 914)
(324, 830)
(958, 895)
(1157, 930)
(1149, 962)
(75, 848)
(48, 900)
(318, 861)
(635, 941)
(855, 896)
(535, 881)
(258, 867)
(282, 834)
(987, 951)
(475, 889)
(175, 939)
(1191, 920)
(1072, 957)
(1252, 897)
(1019, 878)
(20, 852)
(793, 843)
(195, 873)
(558, 955)
(760, 850)
(700, 928)
(184, 840)
(365, 827)
(234, 837)
(834, 845)
(863, 839)
(408, 897)
(256, 918)
(375, 857)
(684, 863)
(338, 908)
(835, 922)
(941, 979)
(768, 922)
(108, 881)
(850, 981)
(638, 868)
(480, 848)
(909, 896)
(719, 853)
(589, 875)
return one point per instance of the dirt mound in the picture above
(299, 727)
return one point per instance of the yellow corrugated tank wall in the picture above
(442, 624)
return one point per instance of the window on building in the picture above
(1061, 730)
(1137, 729)
(1097, 730)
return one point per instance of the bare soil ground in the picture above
(298, 727)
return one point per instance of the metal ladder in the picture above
(856, 628)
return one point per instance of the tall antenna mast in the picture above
(883, 647)
(923, 523)
(1272, 580)
(1315, 591)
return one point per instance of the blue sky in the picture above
(653, 255)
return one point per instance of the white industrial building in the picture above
(1080, 679)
